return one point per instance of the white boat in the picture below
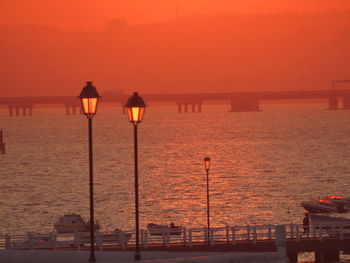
(159, 230)
(71, 223)
(116, 236)
(323, 206)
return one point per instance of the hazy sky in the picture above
(92, 14)
(190, 54)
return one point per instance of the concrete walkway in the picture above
(50, 256)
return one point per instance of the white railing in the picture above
(188, 237)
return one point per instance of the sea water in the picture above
(263, 165)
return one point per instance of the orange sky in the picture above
(303, 48)
(92, 14)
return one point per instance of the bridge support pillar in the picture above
(200, 107)
(30, 110)
(244, 104)
(17, 109)
(72, 106)
(179, 108)
(326, 256)
(346, 103)
(26, 109)
(333, 103)
(10, 110)
(185, 106)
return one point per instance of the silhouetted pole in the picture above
(136, 108)
(89, 100)
(207, 166)
(137, 221)
(91, 187)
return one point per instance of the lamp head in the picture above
(136, 108)
(89, 98)
(207, 163)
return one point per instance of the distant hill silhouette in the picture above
(204, 53)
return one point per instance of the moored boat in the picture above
(323, 206)
(116, 236)
(159, 230)
(70, 223)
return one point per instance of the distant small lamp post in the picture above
(136, 109)
(207, 166)
(89, 100)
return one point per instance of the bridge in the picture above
(238, 101)
(326, 241)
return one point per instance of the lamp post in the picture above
(136, 109)
(89, 100)
(207, 166)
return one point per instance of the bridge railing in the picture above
(186, 237)
(318, 231)
(72, 240)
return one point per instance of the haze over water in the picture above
(263, 164)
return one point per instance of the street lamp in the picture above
(89, 100)
(136, 109)
(207, 166)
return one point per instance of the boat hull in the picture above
(66, 228)
(160, 230)
(314, 207)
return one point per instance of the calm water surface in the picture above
(263, 165)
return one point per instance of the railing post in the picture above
(167, 242)
(54, 240)
(142, 238)
(254, 235)
(248, 232)
(233, 229)
(320, 233)
(76, 240)
(146, 239)
(31, 241)
(291, 230)
(163, 236)
(122, 239)
(269, 231)
(314, 231)
(190, 238)
(184, 235)
(227, 229)
(7, 241)
(211, 237)
(99, 240)
(206, 235)
(297, 233)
